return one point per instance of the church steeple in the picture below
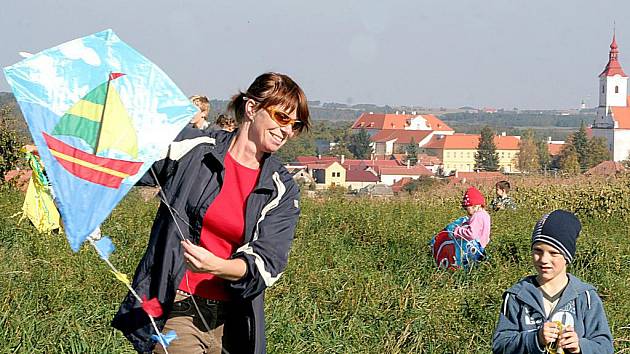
(613, 82)
(613, 67)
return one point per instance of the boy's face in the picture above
(549, 262)
(500, 192)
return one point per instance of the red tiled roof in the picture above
(613, 67)
(381, 163)
(483, 177)
(396, 121)
(417, 170)
(622, 116)
(425, 160)
(480, 175)
(397, 186)
(360, 176)
(435, 123)
(554, 149)
(470, 141)
(507, 142)
(382, 121)
(315, 159)
(320, 166)
(606, 168)
(402, 136)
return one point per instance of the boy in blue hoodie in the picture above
(553, 308)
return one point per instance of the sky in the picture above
(535, 54)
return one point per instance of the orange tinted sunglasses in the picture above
(283, 119)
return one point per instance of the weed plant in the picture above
(360, 277)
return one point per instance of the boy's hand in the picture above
(548, 333)
(569, 340)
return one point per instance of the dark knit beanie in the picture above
(559, 229)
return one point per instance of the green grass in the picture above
(360, 280)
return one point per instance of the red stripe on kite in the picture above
(127, 167)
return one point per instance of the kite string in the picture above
(181, 235)
(96, 234)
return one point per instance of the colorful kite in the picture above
(100, 114)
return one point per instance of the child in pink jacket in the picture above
(478, 226)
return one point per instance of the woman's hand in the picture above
(569, 340)
(200, 260)
(548, 333)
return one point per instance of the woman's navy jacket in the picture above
(191, 175)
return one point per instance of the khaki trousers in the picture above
(192, 335)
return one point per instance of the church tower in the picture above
(613, 82)
(613, 114)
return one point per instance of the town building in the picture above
(374, 123)
(613, 113)
(457, 151)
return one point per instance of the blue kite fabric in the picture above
(100, 114)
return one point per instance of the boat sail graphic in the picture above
(102, 122)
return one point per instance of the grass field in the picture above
(360, 278)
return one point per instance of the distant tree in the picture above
(581, 144)
(9, 143)
(411, 150)
(302, 145)
(528, 153)
(544, 159)
(360, 145)
(569, 162)
(486, 158)
(340, 149)
(597, 151)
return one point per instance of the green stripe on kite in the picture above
(71, 125)
(97, 95)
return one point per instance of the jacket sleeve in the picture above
(268, 252)
(169, 157)
(508, 336)
(597, 337)
(470, 230)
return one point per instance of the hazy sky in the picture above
(499, 53)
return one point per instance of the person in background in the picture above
(200, 119)
(553, 311)
(224, 229)
(502, 201)
(478, 225)
(226, 122)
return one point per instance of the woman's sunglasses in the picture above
(283, 119)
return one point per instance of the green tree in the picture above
(544, 159)
(411, 150)
(340, 149)
(486, 158)
(580, 142)
(569, 162)
(9, 143)
(359, 145)
(302, 145)
(528, 153)
(597, 151)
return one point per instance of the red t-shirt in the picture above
(223, 227)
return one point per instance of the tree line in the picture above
(579, 153)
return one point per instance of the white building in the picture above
(613, 114)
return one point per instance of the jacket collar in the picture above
(527, 291)
(268, 165)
